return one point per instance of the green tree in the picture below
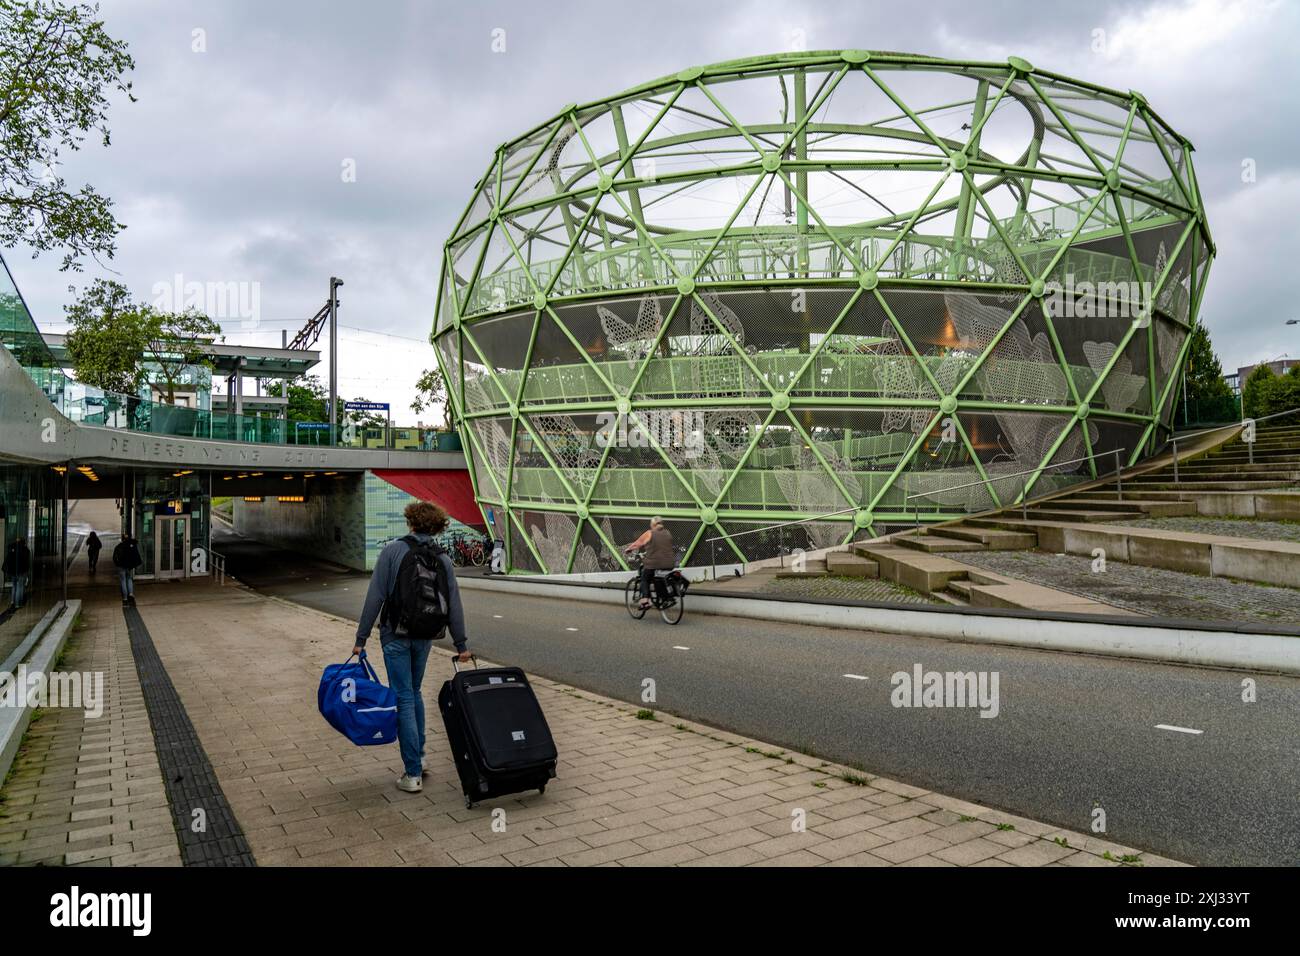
(308, 398)
(109, 335)
(175, 341)
(1257, 391)
(431, 391)
(1209, 398)
(58, 68)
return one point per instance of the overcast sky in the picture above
(230, 167)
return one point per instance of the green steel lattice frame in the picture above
(578, 211)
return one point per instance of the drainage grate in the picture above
(187, 773)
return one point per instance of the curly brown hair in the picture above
(424, 517)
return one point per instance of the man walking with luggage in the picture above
(126, 558)
(414, 596)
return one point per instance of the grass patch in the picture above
(854, 779)
(646, 715)
(1005, 826)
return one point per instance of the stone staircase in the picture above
(1221, 482)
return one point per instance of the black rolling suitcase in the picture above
(497, 732)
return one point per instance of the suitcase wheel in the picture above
(469, 804)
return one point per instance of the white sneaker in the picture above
(424, 765)
(410, 784)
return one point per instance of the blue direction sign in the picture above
(366, 406)
(312, 426)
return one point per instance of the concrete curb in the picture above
(1115, 637)
(14, 720)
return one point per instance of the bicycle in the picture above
(671, 606)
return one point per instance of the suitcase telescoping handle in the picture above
(455, 662)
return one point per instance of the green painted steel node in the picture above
(568, 108)
(1138, 97)
(583, 513)
(782, 358)
(493, 214)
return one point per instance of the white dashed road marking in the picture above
(1181, 730)
(855, 677)
(497, 616)
(678, 647)
(570, 628)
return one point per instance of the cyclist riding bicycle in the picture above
(657, 541)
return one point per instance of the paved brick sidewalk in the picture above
(630, 791)
(87, 791)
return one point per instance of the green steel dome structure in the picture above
(863, 288)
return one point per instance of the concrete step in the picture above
(1224, 504)
(947, 597)
(917, 570)
(1243, 559)
(1116, 512)
(993, 539)
(933, 543)
(802, 575)
(1153, 509)
(851, 565)
(961, 588)
(1168, 484)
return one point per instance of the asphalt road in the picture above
(1073, 733)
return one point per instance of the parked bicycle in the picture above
(466, 550)
(667, 594)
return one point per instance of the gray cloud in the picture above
(229, 166)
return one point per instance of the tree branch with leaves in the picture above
(58, 69)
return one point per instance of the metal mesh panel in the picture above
(521, 558)
(839, 211)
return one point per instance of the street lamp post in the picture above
(334, 358)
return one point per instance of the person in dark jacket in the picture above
(126, 558)
(17, 565)
(405, 657)
(659, 556)
(93, 547)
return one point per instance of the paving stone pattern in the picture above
(1149, 591)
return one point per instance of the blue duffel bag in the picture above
(356, 704)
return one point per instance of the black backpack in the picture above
(418, 606)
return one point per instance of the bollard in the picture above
(1119, 476)
(1175, 442)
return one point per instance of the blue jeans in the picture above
(20, 589)
(404, 658)
(126, 580)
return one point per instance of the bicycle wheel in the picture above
(673, 613)
(632, 597)
(477, 556)
(458, 558)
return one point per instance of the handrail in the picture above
(1250, 445)
(713, 547)
(1024, 508)
(218, 567)
(1018, 474)
(1219, 428)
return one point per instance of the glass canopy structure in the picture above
(860, 287)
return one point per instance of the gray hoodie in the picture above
(384, 581)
